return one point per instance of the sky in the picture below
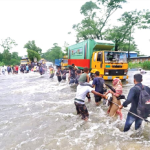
(49, 21)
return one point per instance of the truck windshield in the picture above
(65, 61)
(116, 57)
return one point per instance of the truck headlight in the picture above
(125, 72)
(106, 72)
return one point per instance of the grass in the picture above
(144, 65)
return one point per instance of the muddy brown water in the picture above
(37, 113)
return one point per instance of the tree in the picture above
(6, 57)
(96, 18)
(1, 57)
(32, 54)
(119, 35)
(32, 46)
(33, 51)
(129, 21)
(8, 43)
(14, 55)
(54, 53)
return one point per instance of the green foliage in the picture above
(122, 34)
(96, 18)
(146, 65)
(14, 55)
(1, 57)
(134, 65)
(7, 58)
(88, 7)
(1, 63)
(32, 46)
(6, 55)
(33, 54)
(94, 24)
(8, 43)
(33, 51)
(54, 53)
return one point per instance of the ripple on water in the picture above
(39, 113)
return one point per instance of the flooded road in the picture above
(38, 113)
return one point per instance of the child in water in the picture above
(113, 109)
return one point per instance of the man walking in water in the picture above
(81, 93)
(98, 83)
(133, 98)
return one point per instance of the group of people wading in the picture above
(112, 97)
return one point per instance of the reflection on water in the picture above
(38, 113)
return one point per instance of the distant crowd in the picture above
(9, 69)
(23, 68)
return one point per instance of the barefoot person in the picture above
(80, 100)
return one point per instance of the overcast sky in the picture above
(49, 21)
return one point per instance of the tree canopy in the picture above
(96, 16)
(122, 34)
(94, 25)
(33, 51)
(53, 53)
(6, 57)
(32, 54)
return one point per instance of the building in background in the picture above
(132, 54)
(140, 59)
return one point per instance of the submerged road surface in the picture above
(37, 113)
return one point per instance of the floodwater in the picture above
(38, 113)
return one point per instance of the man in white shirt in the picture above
(79, 100)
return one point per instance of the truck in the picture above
(25, 60)
(99, 56)
(58, 62)
(62, 62)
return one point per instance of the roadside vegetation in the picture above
(144, 65)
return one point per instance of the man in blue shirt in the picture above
(133, 98)
(98, 83)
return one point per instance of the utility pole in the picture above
(129, 45)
